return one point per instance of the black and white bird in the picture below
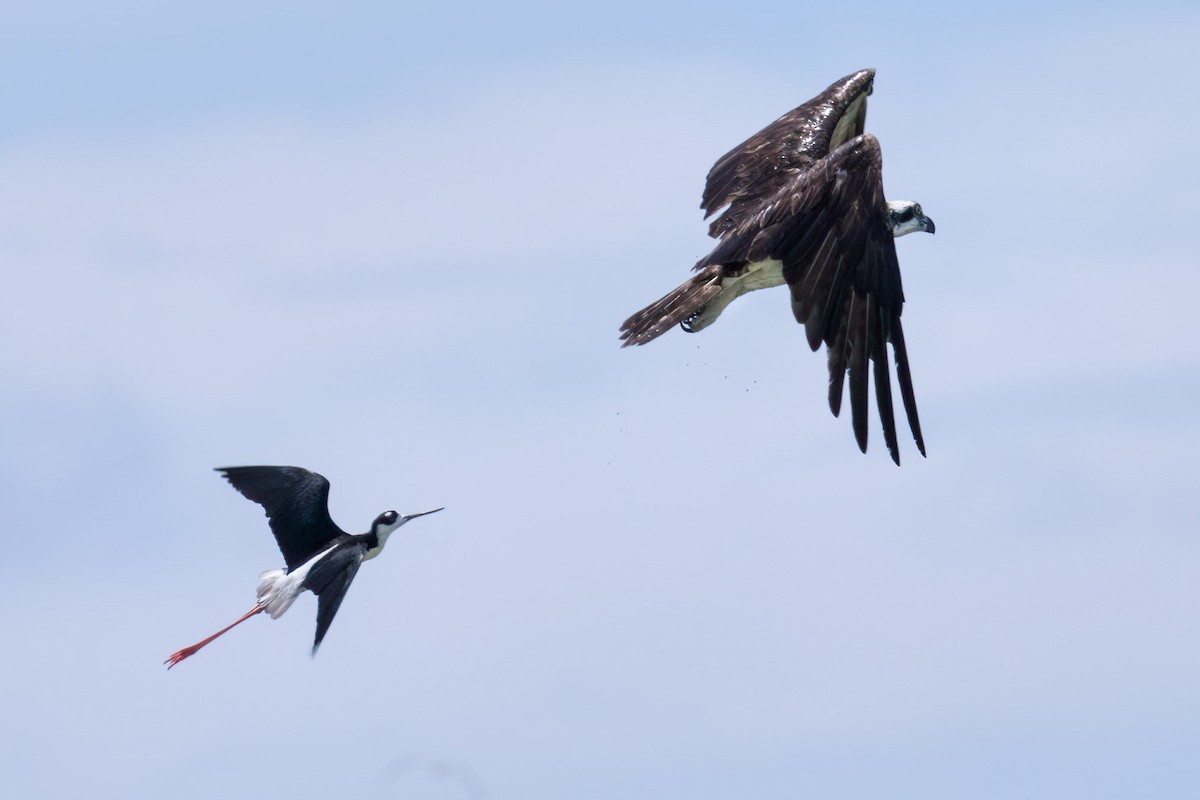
(804, 206)
(320, 556)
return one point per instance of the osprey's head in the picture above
(906, 217)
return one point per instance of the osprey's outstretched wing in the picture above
(749, 175)
(829, 226)
(758, 168)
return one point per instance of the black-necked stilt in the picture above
(320, 556)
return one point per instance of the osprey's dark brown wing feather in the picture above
(766, 162)
(829, 226)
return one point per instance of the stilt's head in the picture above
(389, 521)
(386, 522)
(907, 217)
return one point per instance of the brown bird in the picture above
(803, 205)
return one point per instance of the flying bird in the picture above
(320, 556)
(803, 205)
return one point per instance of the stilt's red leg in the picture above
(180, 655)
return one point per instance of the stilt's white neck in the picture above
(382, 532)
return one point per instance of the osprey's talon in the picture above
(689, 324)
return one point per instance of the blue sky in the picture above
(394, 245)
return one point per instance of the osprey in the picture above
(804, 206)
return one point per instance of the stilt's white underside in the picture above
(279, 588)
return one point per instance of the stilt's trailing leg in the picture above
(180, 655)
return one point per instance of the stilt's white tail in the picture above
(278, 590)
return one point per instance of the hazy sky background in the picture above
(393, 243)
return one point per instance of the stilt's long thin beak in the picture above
(407, 517)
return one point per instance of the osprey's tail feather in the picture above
(676, 307)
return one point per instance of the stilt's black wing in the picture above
(829, 227)
(297, 504)
(756, 169)
(329, 580)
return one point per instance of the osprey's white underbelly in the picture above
(757, 275)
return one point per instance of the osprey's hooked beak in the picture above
(407, 517)
(927, 224)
